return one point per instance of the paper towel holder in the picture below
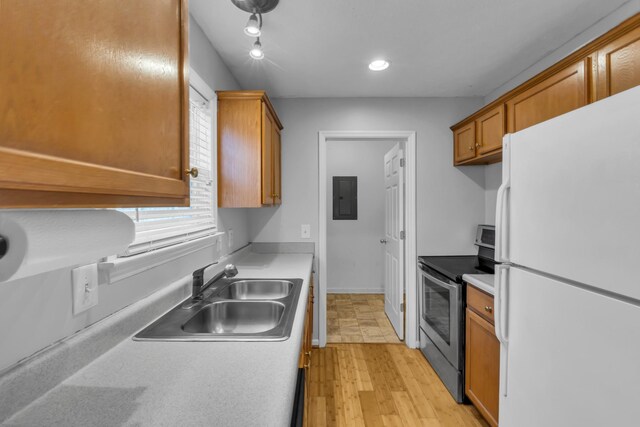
(4, 246)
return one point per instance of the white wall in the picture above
(35, 312)
(492, 179)
(354, 252)
(450, 201)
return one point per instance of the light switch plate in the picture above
(85, 287)
(305, 231)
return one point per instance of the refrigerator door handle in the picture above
(500, 232)
(500, 316)
(501, 253)
(500, 319)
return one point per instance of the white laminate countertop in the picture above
(145, 383)
(481, 281)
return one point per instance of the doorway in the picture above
(359, 307)
(349, 312)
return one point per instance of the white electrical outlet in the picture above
(305, 231)
(230, 239)
(85, 287)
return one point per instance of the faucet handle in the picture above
(199, 273)
(230, 270)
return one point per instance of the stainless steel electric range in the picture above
(441, 303)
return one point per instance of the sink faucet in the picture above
(198, 286)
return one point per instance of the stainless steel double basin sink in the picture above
(231, 310)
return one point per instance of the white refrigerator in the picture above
(568, 291)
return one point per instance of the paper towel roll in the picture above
(46, 240)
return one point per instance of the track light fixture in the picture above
(254, 26)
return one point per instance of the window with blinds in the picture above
(161, 227)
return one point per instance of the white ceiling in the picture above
(321, 48)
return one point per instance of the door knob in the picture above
(383, 241)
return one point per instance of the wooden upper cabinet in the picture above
(248, 150)
(480, 140)
(94, 103)
(619, 65)
(464, 142)
(608, 65)
(564, 91)
(491, 129)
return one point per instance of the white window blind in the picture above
(162, 227)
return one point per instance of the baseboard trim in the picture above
(355, 291)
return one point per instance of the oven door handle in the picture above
(438, 281)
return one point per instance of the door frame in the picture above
(411, 255)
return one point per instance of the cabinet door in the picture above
(564, 91)
(240, 130)
(277, 162)
(94, 106)
(267, 156)
(307, 345)
(464, 145)
(619, 65)
(310, 318)
(491, 129)
(482, 366)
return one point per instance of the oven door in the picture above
(441, 314)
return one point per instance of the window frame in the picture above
(202, 88)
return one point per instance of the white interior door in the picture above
(393, 241)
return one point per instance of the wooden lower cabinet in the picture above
(304, 361)
(482, 361)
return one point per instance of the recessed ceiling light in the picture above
(256, 51)
(379, 65)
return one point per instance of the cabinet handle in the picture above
(470, 148)
(477, 145)
(488, 308)
(308, 353)
(193, 172)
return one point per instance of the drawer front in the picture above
(480, 302)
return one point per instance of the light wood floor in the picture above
(358, 318)
(380, 385)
